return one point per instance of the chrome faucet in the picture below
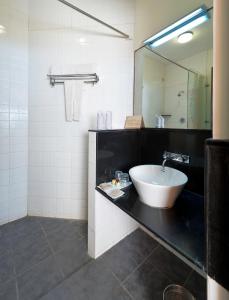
(185, 159)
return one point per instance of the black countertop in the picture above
(181, 227)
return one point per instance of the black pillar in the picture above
(217, 210)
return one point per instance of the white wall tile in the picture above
(49, 207)
(18, 175)
(5, 145)
(42, 190)
(63, 190)
(4, 211)
(63, 175)
(4, 116)
(41, 159)
(17, 208)
(4, 161)
(13, 110)
(42, 174)
(63, 159)
(18, 159)
(4, 177)
(4, 192)
(71, 209)
(17, 190)
(57, 147)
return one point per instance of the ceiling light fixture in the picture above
(185, 37)
(185, 24)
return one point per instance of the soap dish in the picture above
(116, 193)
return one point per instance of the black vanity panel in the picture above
(116, 150)
(217, 210)
(189, 142)
(181, 227)
(123, 149)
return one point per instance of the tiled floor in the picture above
(42, 258)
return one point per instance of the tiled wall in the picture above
(58, 149)
(13, 110)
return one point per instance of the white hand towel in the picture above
(73, 95)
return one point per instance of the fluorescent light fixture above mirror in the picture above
(186, 23)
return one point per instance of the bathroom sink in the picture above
(158, 188)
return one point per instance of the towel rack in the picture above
(59, 79)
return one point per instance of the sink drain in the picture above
(177, 292)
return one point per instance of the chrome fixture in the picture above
(126, 36)
(185, 159)
(59, 79)
(160, 121)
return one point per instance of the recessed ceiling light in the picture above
(185, 37)
(2, 29)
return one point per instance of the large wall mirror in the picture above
(173, 81)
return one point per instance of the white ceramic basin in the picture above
(155, 187)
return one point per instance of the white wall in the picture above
(201, 63)
(153, 90)
(175, 99)
(13, 110)
(58, 149)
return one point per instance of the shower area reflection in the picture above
(199, 101)
(163, 88)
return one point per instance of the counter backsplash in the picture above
(123, 149)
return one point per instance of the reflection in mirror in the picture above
(173, 82)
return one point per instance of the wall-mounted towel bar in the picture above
(59, 79)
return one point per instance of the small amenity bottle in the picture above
(101, 120)
(108, 120)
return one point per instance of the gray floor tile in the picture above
(53, 225)
(120, 294)
(147, 283)
(64, 235)
(6, 268)
(144, 267)
(170, 265)
(22, 228)
(27, 241)
(39, 280)
(30, 251)
(123, 258)
(5, 244)
(92, 282)
(73, 256)
(82, 228)
(25, 261)
(141, 243)
(67, 292)
(197, 285)
(8, 290)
